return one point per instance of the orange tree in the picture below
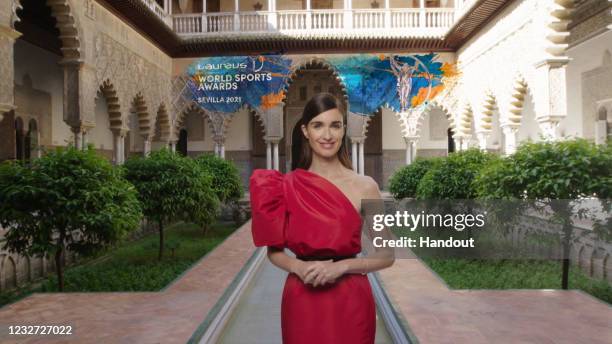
(68, 199)
(559, 176)
(172, 188)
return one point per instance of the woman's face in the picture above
(325, 132)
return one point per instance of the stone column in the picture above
(361, 157)
(411, 142)
(510, 132)
(119, 146)
(172, 145)
(482, 139)
(79, 98)
(354, 158)
(147, 146)
(269, 155)
(275, 150)
(7, 40)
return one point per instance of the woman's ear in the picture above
(304, 131)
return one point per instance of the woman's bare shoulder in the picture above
(367, 186)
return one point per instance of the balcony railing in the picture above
(159, 11)
(422, 21)
(315, 20)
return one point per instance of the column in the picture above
(222, 153)
(117, 147)
(361, 158)
(7, 39)
(387, 15)
(422, 13)
(348, 14)
(272, 15)
(147, 146)
(172, 145)
(268, 154)
(510, 132)
(275, 150)
(204, 17)
(78, 140)
(482, 140)
(236, 15)
(354, 158)
(410, 148)
(308, 15)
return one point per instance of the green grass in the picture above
(515, 274)
(133, 266)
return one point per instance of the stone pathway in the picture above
(433, 312)
(436, 314)
(169, 316)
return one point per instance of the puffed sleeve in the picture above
(268, 208)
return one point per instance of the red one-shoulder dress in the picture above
(310, 216)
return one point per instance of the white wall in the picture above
(101, 135)
(586, 57)
(392, 136)
(434, 131)
(42, 66)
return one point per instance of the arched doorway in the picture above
(19, 139)
(451, 141)
(181, 146)
(373, 148)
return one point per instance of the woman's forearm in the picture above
(279, 258)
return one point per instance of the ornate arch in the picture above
(485, 121)
(113, 105)
(142, 113)
(466, 119)
(517, 102)
(162, 122)
(310, 62)
(70, 34)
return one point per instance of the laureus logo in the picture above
(215, 66)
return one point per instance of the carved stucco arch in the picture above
(427, 112)
(162, 121)
(484, 117)
(113, 105)
(141, 108)
(466, 119)
(307, 63)
(70, 33)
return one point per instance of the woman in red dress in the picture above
(314, 212)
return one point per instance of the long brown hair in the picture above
(301, 153)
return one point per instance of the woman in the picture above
(314, 211)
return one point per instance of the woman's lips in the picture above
(327, 145)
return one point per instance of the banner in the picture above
(400, 82)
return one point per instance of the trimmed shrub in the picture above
(68, 199)
(172, 188)
(452, 177)
(226, 181)
(404, 183)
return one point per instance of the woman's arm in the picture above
(282, 260)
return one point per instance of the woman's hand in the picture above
(300, 268)
(320, 273)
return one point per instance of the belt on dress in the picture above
(334, 258)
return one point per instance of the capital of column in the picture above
(122, 132)
(357, 139)
(509, 128)
(411, 138)
(274, 140)
(549, 125)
